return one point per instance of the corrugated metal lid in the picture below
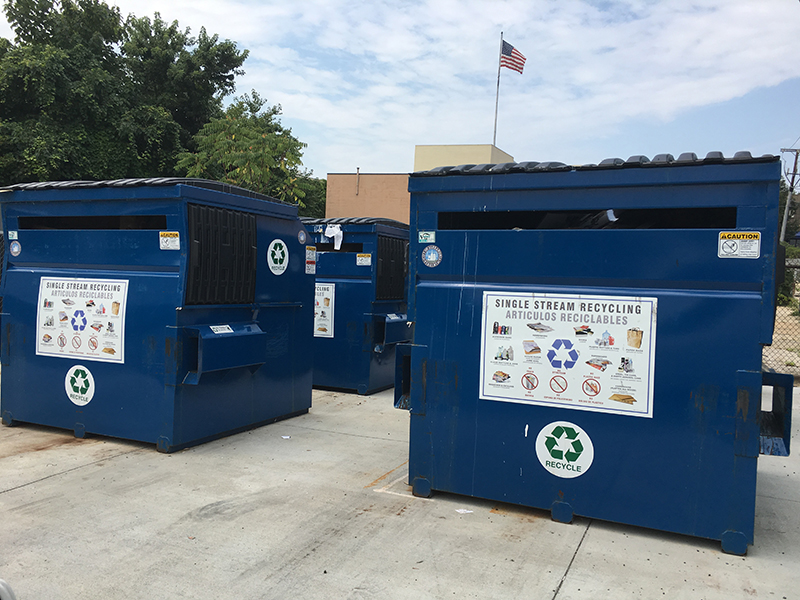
(208, 184)
(353, 221)
(636, 161)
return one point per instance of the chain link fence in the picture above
(783, 355)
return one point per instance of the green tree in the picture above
(315, 191)
(187, 76)
(60, 90)
(250, 148)
(82, 98)
(787, 288)
(792, 224)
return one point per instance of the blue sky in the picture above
(363, 82)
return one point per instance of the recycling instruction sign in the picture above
(564, 449)
(82, 319)
(581, 352)
(79, 385)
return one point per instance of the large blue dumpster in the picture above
(170, 311)
(360, 306)
(588, 340)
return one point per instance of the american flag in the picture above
(511, 57)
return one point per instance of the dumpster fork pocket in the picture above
(239, 345)
(776, 425)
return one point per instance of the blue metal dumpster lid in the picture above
(353, 221)
(139, 182)
(636, 161)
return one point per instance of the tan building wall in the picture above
(428, 157)
(368, 195)
(386, 194)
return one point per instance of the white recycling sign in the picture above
(580, 352)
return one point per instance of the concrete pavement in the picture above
(317, 507)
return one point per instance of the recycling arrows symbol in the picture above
(79, 381)
(562, 354)
(78, 321)
(278, 254)
(551, 442)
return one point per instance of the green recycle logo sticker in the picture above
(79, 381)
(79, 385)
(552, 443)
(277, 257)
(278, 254)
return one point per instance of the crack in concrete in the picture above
(569, 566)
(94, 462)
(360, 435)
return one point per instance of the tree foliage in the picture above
(787, 288)
(250, 148)
(84, 95)
(185, 75)
(792, 224)
(315, 191)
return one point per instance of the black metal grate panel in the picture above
(392, 268)
(222, 256)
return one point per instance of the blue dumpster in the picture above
(360, 306)
(588, 340)
(169, 311)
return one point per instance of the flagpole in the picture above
(497, 98)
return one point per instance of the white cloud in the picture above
(362, 82)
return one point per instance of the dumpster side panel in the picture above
(687, 465)
(66, 244)
(666, 461)
(126, 401)
(101, 335)
(272, 380)
(367, 279)
(343, 361)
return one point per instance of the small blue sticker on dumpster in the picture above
(431, 256)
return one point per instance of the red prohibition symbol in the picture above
(76, 342)
(530, 381)
(558, 384)
(591, 387)
(93, 343)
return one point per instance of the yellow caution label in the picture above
(740, 235)
(739, 244)
(169, 240)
